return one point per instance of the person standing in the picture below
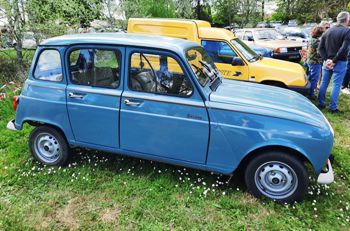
(325, 25)
(334, 49)
(314, 60)
(346, 83)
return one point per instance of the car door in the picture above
(223, 55)
(93, 94)
(162, 114)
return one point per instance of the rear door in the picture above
(162, 114)
(93, 93)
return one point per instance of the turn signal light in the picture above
(15, 102)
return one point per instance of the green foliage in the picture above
(309, 10)
(70, 12)
(10, 70)
(149, 8)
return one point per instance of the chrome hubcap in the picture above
(276, 180)
(47, 147)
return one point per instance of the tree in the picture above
(184, 8)
(312, 10)
(16, 16)
(149, 8)
(111, 10)
(226, 12)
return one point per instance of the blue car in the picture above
(163, 99)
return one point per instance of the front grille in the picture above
(291, 49)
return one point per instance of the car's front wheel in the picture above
(278, 176)
(49, 146)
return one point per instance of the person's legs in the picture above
(326, 76)
(346, 81)
(315, 71)
(338, 77)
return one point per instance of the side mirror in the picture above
(236, 61)
(250, 38)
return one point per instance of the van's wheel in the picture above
(49, 146)
(278, 176)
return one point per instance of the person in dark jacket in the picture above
(334, 49)
(314, 60)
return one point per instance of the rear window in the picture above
(48, 66)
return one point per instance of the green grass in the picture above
(110, 192)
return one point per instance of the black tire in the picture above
(272, 171)
(49, 146)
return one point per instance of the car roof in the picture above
(149, 41)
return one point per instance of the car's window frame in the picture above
(159, 53)
(36, 64)
(239, 55)
(227, 44)
(96, 47)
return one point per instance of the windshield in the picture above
(203, 66)
(268, 34)
(245, 50)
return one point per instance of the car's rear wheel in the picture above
(49, 146)
(278, 176)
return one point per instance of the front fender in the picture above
(240, 134)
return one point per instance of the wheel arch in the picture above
(41, 123)
(275, 83)
(268, 148)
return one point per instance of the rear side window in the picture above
(48, 66)
(95, 67)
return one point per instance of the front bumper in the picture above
(326, 177)
(302, 90)
(288, 56)
(11, 125)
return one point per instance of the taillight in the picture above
(15, 102)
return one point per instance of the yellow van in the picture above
(234, 58)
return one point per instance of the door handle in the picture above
(237, 73)
(132, 103)
(75, 96)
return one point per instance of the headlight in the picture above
(281, 50)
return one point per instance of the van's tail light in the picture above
(15, 102)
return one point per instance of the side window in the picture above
(95, 67)
(48, 66)
(158, 74)
(239, 34)
(220, 52)
(248, 36)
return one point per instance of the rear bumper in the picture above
(326, 177)
(302, 90)
(11, 125)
